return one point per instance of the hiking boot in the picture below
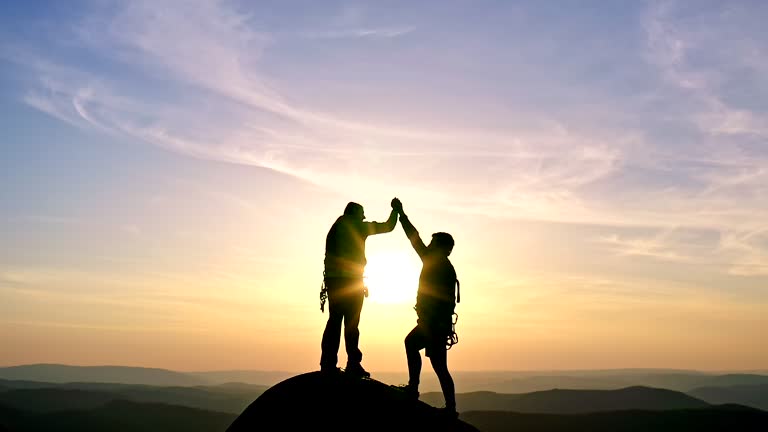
(410, 391)
(357, 371)
(330, 370)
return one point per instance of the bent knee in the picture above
(412, 344)
(408, 344)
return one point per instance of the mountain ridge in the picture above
(710, 419)
(58, 373)
(754, 395)
(572, 401)
(466, 381)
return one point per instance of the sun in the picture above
(392, 277)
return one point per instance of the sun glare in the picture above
(392, 277)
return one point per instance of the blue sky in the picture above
(609, 144)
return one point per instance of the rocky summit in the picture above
(337, 402)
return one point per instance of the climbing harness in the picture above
(324, 293)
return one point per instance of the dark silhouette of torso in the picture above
(345, 247)
(435, 300)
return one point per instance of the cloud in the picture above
(657, 247)
(748, 252)
(360, 33)
(536, 169)
(707, 58)
(194, 80)
(679, 39)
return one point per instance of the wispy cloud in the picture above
(657, 247)
(199, 86)
(706, 57)
(360, 33)
(536, 169)
(675, 45)
(748, 251)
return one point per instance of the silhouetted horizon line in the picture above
(392, 371)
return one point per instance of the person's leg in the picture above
(353, 306)
(332, 333)
(439, 359)
(413, 343)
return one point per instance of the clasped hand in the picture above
(397, 205)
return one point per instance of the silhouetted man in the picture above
(344, 265)
(435, 303)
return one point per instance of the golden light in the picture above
(393, 276)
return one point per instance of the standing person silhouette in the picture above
(435, 303)
(343, 278)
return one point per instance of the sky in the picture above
(170, 170)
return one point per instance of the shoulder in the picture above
(351, 223)
(337, 224)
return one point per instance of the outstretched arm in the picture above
(411, 232)
(383, 227)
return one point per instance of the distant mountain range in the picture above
(498, 381)
(755, 395)
(714, 419)
(233, 398)
(55, 373)
(84, 407)
(46, 397)
(669, 380)
(243, 376)
(117, 416)
(572, 401)
(197, 389)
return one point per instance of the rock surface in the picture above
(336, 402)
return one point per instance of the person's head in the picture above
(441, 242)
(355, 210)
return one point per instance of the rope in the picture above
(323, 295)
(453, 338)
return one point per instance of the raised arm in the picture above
(411, 232)
(383, 227)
